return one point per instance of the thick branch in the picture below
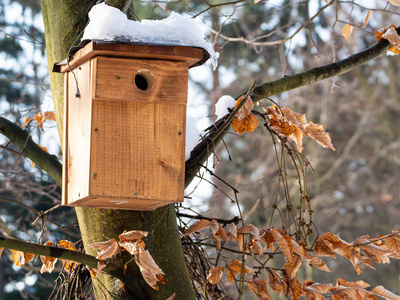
(49, 251)
(201, 153)
(71, 255)
(288, 83)
(30, 149)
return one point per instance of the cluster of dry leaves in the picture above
(21, 258)
(131, 241)
(251, 240)
(128, 241)
(389, 33)
(283, 121)
(40, 118)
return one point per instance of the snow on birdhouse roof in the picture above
(109, 24)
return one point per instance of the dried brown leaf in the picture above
(384, 293)
(215, 274)
(172, 296)
(240, 241)
(233, 232)
(151, 272)
(48, 262)
(214, 227)
(253, 230)
(371, 250)
(245, 110)
(235, 267)
(44, 116)
(132, 235)
(259, 287)
(223, 233)
(395, 2)
(317, 133)
(346, 32)
(317, 262)
(292, 288)
(67, 245)
(330, 242)
(130, 246)
(21, 258)
(275, 282)
(107, 249)
(1, 251)
(256, 246)
(283, 241)
(199, 225)
(267, 238)
(27, 120)
(314, 291)
(217, 242)
(393, 242)
(293, 265)
(103, 245)
(249, 124)
(367, 16)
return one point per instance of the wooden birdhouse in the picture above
(125, 124)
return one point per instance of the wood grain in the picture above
(125, 147)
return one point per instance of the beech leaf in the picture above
(367, 16)
(259, 287)
(284, 242)
(293, 265)
(151, 272)
(199, 225)
(346, 32)
(233, 231)
(21, 258)
(215, 274)
(384, 293)
(48, 262)
(132, 235)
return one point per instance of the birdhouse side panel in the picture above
(77, 125)
(140, 80)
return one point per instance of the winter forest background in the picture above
(354, 190)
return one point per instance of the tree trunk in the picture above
(64, 20)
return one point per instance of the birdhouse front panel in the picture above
(124, 141)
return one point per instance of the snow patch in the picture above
(110, 24)
(223, 104)
(192, 135)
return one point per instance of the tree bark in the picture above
(64, 20)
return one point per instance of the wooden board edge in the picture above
(65, 144)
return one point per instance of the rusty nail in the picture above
(94, 175)
(179, 133)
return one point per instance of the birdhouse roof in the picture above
(195, 56)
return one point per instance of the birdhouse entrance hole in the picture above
(144, 80)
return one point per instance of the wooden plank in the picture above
(78, 140)
(115, 80)
(65, 144)
(138, 150)
(115, 203)
(192, 55)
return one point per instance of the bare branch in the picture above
(30, 149)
